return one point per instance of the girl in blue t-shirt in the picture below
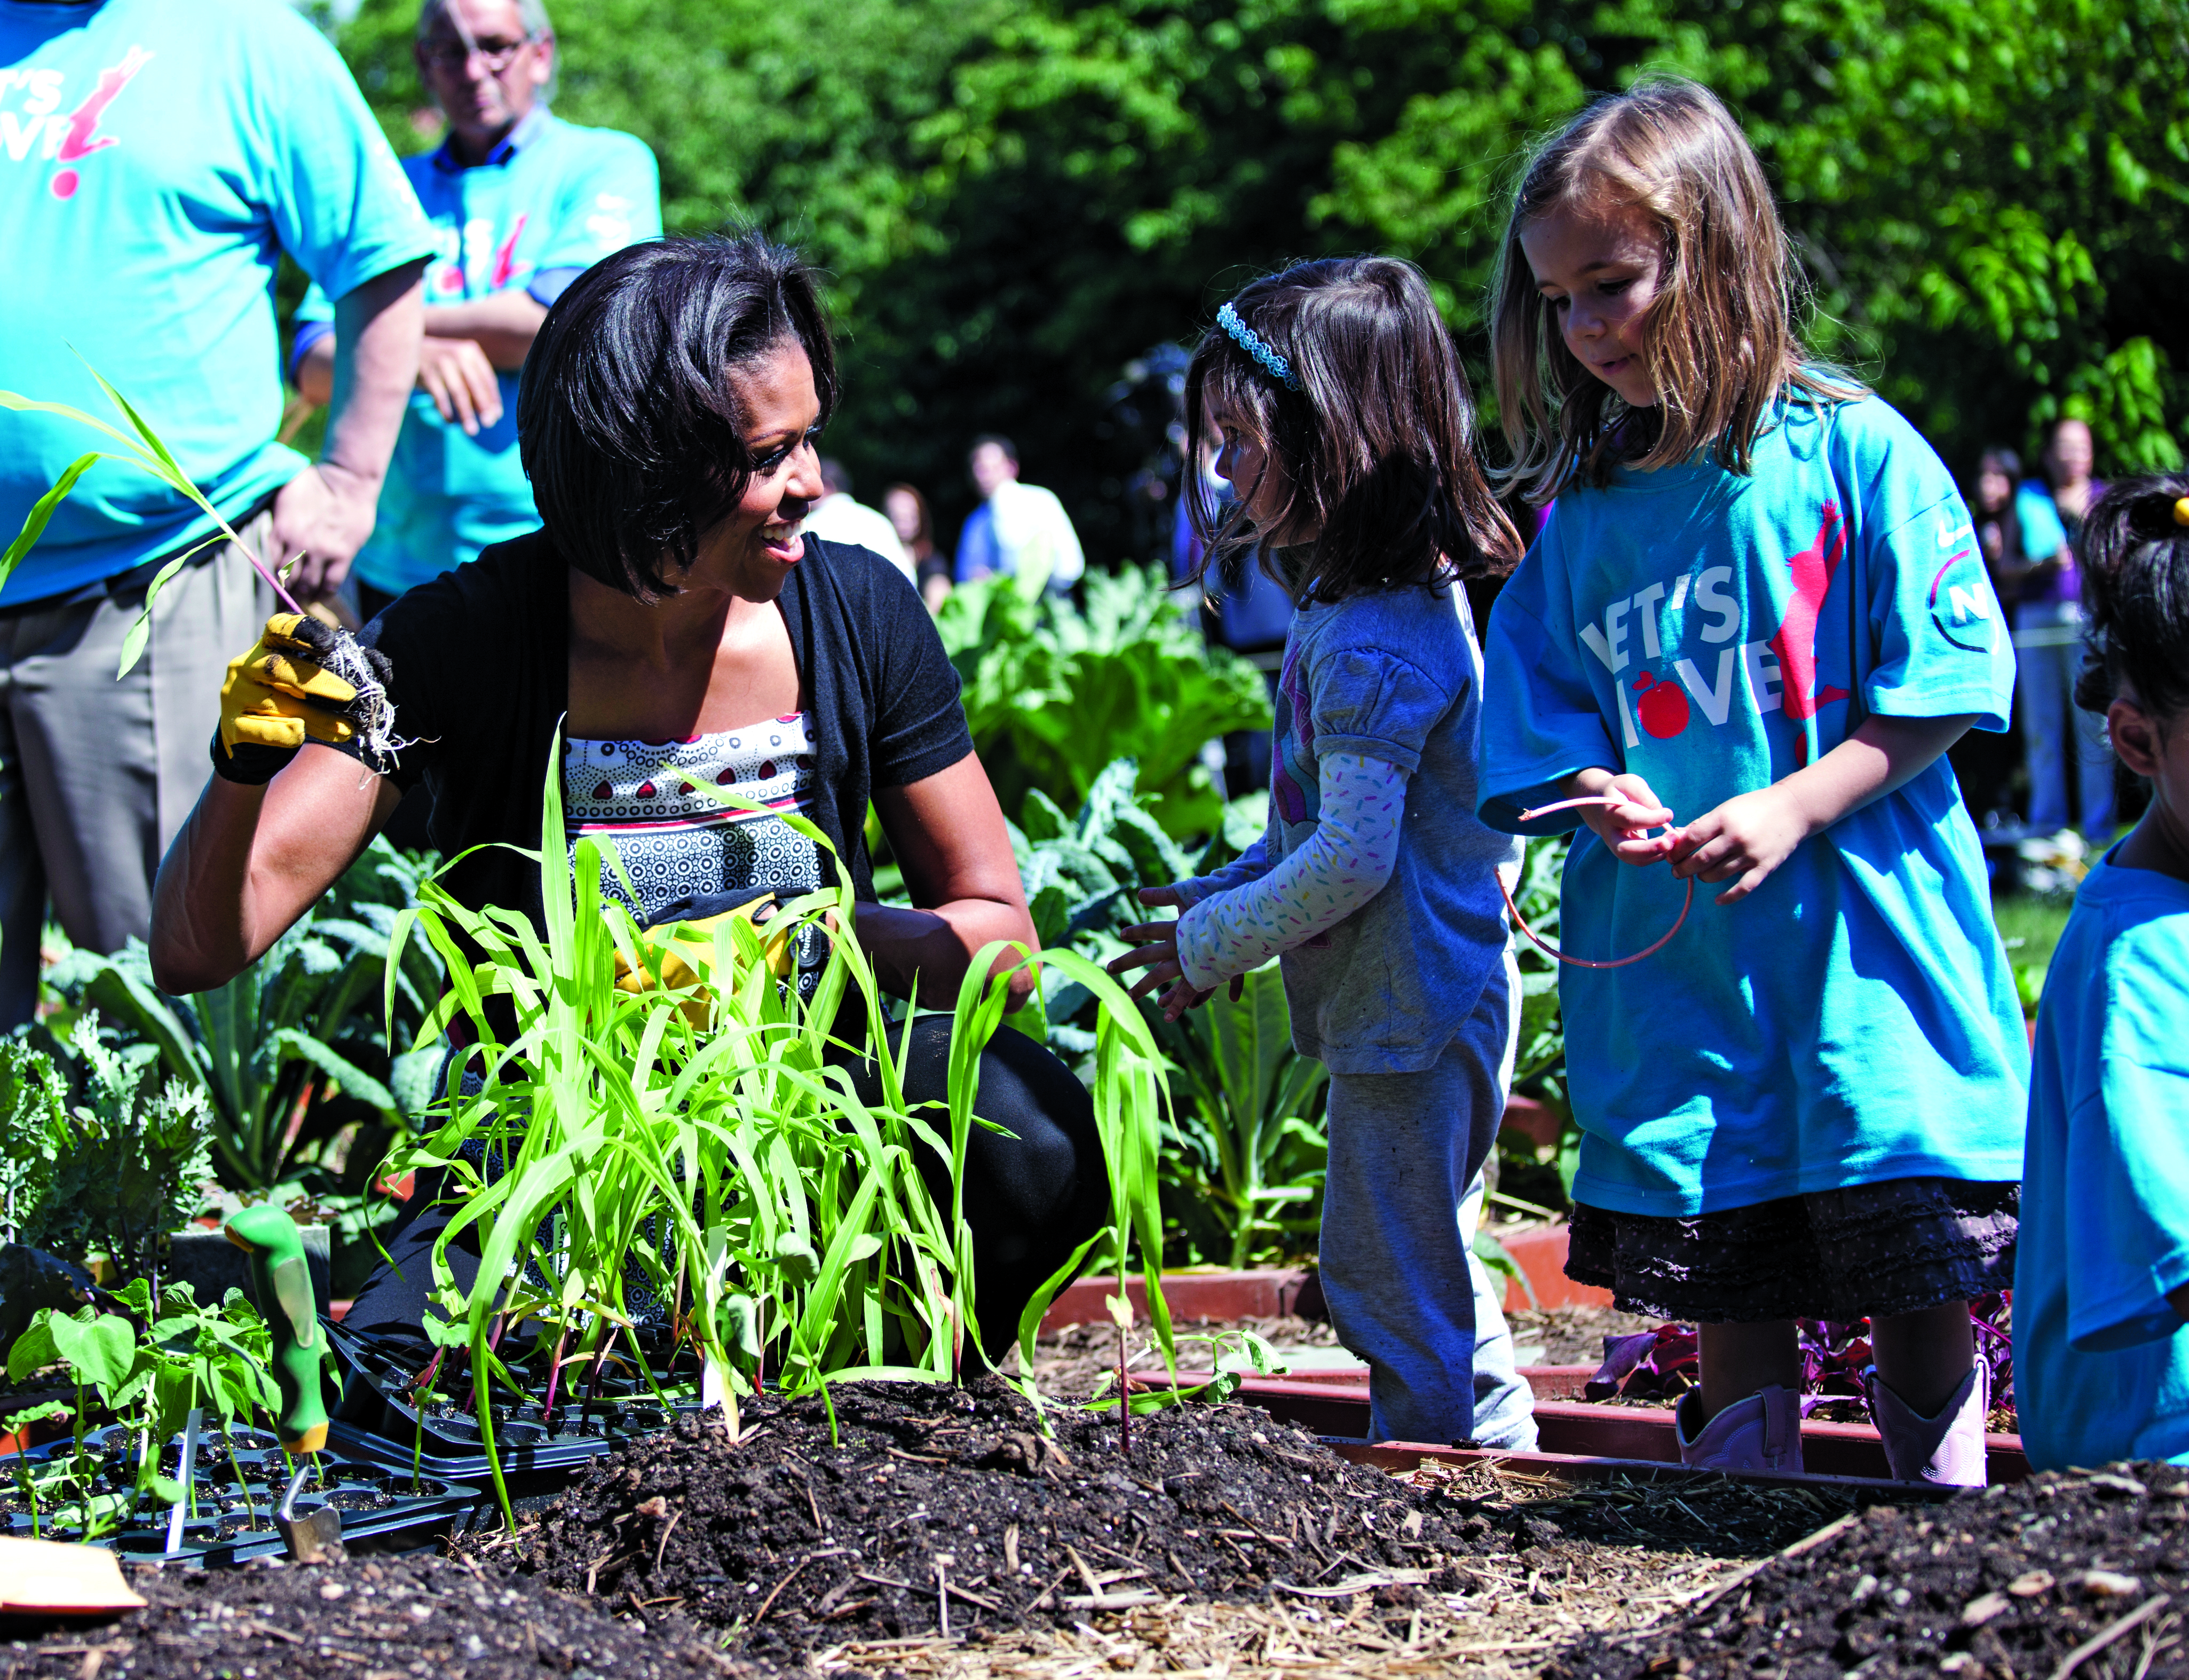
(2101, 1277)
(1756, 617)
(1345, 429)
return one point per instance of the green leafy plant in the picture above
(1055, 694)
(108, 1159)
(1539, 1069)
(189, 1356)
(1245, 1177)
(1248, 1179)
(698, 1146)
(290, 1051)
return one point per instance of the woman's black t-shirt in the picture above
(480, 682)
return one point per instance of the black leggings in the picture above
(1031, 1198)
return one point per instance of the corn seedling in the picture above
(144, 451)
(705, 1149)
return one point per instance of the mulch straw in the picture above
(1560, 1584)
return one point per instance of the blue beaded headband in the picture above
(1252, 342)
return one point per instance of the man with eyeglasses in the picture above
(522, 203)
(157, 160)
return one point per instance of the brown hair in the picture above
(1378, 441)
(1721, 341)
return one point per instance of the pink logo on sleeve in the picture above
(82, 137)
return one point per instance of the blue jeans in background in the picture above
(2048, 651)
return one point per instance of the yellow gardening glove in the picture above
(277, 694)
(684, 951)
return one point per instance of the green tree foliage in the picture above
(1016, 201)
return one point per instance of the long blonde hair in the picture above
(1722, 340)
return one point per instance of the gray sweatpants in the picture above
(1404, 1291)
(97, 776)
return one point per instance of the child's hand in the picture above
(1621, 828)
(1157, 952)
(1748, 836)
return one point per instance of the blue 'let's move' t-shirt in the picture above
(552, 201)
(2101, 1360)
(157, 157)
(1853, 1019)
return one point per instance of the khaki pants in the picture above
(96, 775)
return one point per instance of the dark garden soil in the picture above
(797, 1542)
(2084, 1569)
(375, 1619)
(1072, 1360)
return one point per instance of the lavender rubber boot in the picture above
(1760, 1433)
(1947, 1450)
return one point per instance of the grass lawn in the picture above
(2031, 925)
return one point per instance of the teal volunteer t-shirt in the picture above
(2101, 1360)
(1853, 1019)
(157, 157)
(553, 200)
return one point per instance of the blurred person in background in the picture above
(914, 524)
(836, 518)
(1019, 530)
(2048, 635)
(1983, 762)
(187, 146)
(522, 203)
(1246, 611)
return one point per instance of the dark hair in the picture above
(1378, 441)
(2135, 594)
(1009, 449)
(1722, 343)
(834, 478)
(632, 437)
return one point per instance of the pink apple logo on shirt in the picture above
(80, 137)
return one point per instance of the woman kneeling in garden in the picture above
(671, 621)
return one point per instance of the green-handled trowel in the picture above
(283, 1280)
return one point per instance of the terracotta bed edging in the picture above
(1575, 1467)
(1273, 1293)
(1576, 1428)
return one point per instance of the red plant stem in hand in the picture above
(1550, 950)
(272, 581)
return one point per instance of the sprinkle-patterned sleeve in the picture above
(1344, 865)
(1244, 870)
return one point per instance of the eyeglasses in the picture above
(456, 54)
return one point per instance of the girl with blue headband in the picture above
(1345, 428)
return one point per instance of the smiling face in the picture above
(749, 554)
(484, 70)
(1599, 269)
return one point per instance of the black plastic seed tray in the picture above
(378, 1420)
(239, 1481)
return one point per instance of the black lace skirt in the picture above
(1866, 1251)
